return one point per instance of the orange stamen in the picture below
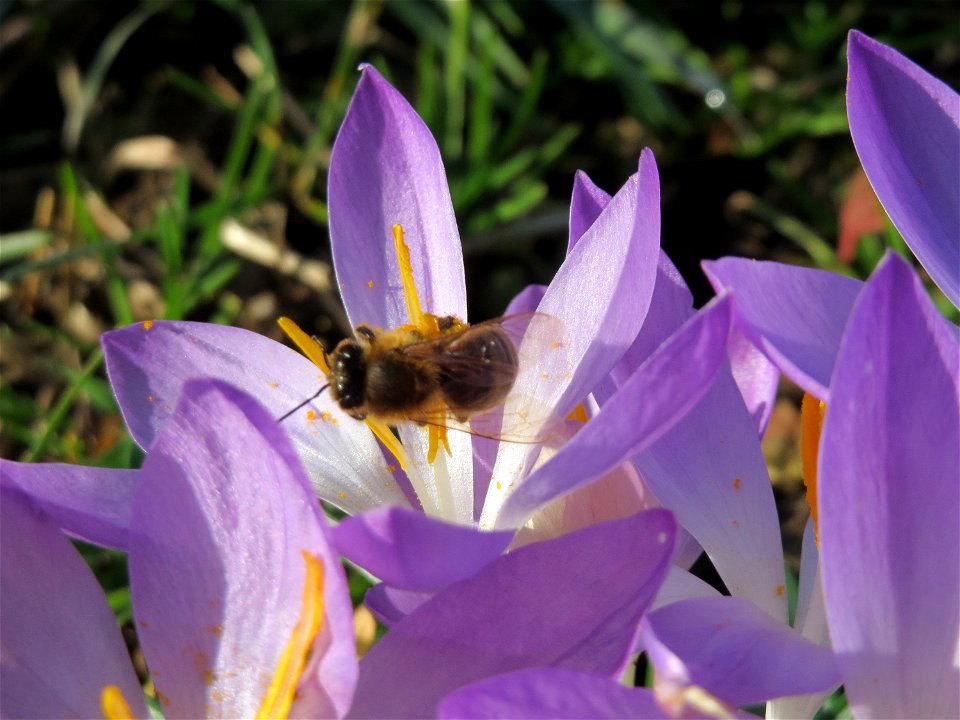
(811, 423)
(279, 698)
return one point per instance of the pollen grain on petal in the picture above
(147, 324)
(781, 589)
(737, 483)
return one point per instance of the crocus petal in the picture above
(390, 605)
(906, 127)
(795, 315)
(658, 394)
(708, 468)
(61, 644)
(385, 168)
(586, 204)
(600, 294)
(734, 650)
(890, 503)
(391, 543)
(485, 449)
(682, 585)
(572, 603)
(91, 504)
(756, 377)
(811, 623)
(223, 523)
(148, 364)
(549, 693)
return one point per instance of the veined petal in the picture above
(89, 503)
(549, 693)
(390, 605)
(572, 603)
(225, 526)
(756, 377)
(385, 168)
(811, 623)
(734, 650)
(708, 468)
(586, 204)
(905, 125)
(889, 496)
(411, 551)
(795, 315)
(485, 449)
(61, 644)
(601, 294)
(148, 364)
(659, 393)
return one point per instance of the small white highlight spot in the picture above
(714, 98)
(661, 538)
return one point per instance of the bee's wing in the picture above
(521, 418)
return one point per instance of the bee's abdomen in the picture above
(480, 371)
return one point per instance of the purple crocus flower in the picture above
(238, 619)
(886, 366)
(889, 501)
(234, 618)
(386, 171)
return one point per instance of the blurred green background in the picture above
(168, 160)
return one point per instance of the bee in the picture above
(453, 377)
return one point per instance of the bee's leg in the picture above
(365, 334)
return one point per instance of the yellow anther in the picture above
(579, 413)
(114, 704)
(811, 423)
(279, 698)
(437, 436)
(414, 311)
(390, 442)
(308, 346)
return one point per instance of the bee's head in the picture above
(348, 372)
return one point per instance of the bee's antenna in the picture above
(305, 402)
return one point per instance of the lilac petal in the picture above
(91, 504)
(795, 315)
(223, 517)
(586, 204)
(148, 365)
(890, 502)
(708, 468)
(756, 377)
(682, 585)
(410, 551)
(390, 605)
(905, 125)
(61, 644)
(386, 168)
(572, 603)
(485, 449)
(600, 294)
(659, 393)
(734, 650)
(549, 693)
(811, 623)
